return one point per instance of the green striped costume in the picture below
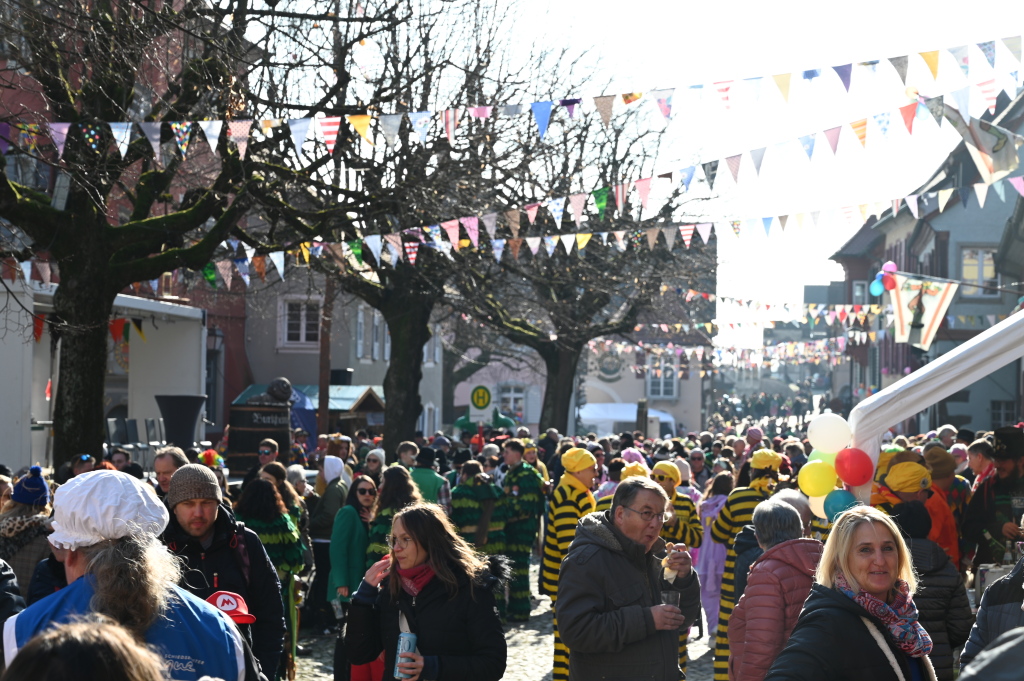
(687, 530)
(524, 504)
(380, 528)
(570, 502)
(468, 504)
(737, 512)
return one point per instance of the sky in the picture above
(644, 45)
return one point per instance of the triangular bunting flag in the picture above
(451, 228)
(1013, 45)
(328, 128)
(981, 191)
(601, 200)
(122, 133)
(59, 135)
(604, 106)
(514, 245)
(643, 188)
(704, 229)
(807, 143)
(395, 246)
(578, 202)
(882, 123)
(944, 197)
(490, 221)
(1000, 191)
(390, 124)
(211, 131)
(988, 48)
(844, 74)
(420, 121)
(686, 231)
(734, 166)
(900, 64)
(962, 60)
(932, 60)
(238, 132)
(710, 170)
(686, 175)
(652, 237)
(152, 133)
(542, 115)
(664, 100)
(723, 91)
(451, 117)
(913, 206)
(225, 270)
(472, 226)
(557, 208)
(735, 224)
(550, 243)
(962, 99)
(630, 97)
(783, 219)
(936, 108)
(512, 217)
(361, 123)
(1018, 184)
(989, 92)
(277, 258)
(767, 222)
(782, 81)
(498, 246)
(670, 237)
(567, 242)
(482, 111)
(182, 135)
(621, 192)
(757, 155)
(909, 113)
(570, 105)
(373, 242)
(832, 135)
(860, 128)
(531, 211)
(582, 239)
(619, 242)
(412, 249)
(533, 243)
(964, 194)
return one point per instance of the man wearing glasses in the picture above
(613, 601)
(267, 453)
(699, 472)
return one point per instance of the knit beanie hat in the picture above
(32, 489)
(193, 481)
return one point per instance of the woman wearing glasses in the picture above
(433, 585)
(396, 491)
(349, 540)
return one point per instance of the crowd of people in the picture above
(638, 540)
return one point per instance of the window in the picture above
(360, 331)
(860, 293)
(978, 267)
(387, 343)
(662, 377)
(375, 339)
(512, 401)
(1004, 413)
(300, 323)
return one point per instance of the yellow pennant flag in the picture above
(782, 80)
(362, 125)
(582, 240)
(304, 247)
(932, 60)
(861, 128)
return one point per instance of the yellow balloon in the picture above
(817, 478)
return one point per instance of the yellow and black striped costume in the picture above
(737, 512)
(820, 528)
(570, 502)
(686, 530)
(604, 503)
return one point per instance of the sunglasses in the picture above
(266, 452)
(367, 490)
(659, 477)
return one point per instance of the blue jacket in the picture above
(194, 638)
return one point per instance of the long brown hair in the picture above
(448, 554)
(289, 496)
(396, 491)
(261, 500)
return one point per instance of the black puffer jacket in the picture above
(747, 553)
(460, 637)
(942, 605)
(837, 640)
(999, 612)
(234, 551)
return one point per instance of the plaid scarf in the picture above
(900, 617)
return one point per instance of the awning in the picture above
(342, 397)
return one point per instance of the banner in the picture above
(918, 308)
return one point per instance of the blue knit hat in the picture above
(32, 489)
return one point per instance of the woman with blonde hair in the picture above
(859, 622)
(25, 524)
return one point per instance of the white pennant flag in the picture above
(704, 229)
(277, 257)
(224, 269)
(122, 133)
(300, 132)
(59, 135)
(490, 221)
(912, 204)
(211, 130)
(567, 241)
(152, 133)
(389, 127)
(498, 246)
(373, 242)
(981, 191)
(534, 243)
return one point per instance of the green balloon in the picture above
(830, 459)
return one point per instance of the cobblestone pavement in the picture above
(530, 647)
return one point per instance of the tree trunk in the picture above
(560, 361)
(83, 305)
(408, 319)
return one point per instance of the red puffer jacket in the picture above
(767, 612)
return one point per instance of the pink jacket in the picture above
(767, 612)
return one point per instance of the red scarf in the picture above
(415, 578)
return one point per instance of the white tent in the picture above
(954, 371)
(602, 416)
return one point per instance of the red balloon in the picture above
(854, 467)
(889, 282)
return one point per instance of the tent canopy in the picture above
(604, 415)
(342, 397)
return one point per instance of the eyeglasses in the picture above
(395, 542)
(267, 452)
(367, 490)
(696, 458)
(648, 516)
(660, 477)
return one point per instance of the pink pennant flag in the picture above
(395, 245)
(686, 231)
(531, 212)
(723, 91)
(59, 135)
(533, 242)
(704, 229)
(621, 190)
(832, 135)
(411, 251)
(578, 203)
(472, 226)
(238, 132)
(480, 111)
(643, 188)
(734, 166)
(619, 235)
(451, 227)
(329, 129)
(989, 91)
(1018, 184)
(451, 122)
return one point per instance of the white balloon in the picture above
(817, 506)
(829, 433)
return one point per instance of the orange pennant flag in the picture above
(861, 128)
(909, 113)
(362, 125)
(932, 60)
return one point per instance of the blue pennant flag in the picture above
(807, 142)
(542, 114)
(767, 224)
(686, 175)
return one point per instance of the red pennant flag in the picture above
(909, 113)
(687, 233)
(38, 321)
(117, 329)
(411, 250)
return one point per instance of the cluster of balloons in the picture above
(884, 280)
(830, 434)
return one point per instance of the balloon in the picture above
(890, 267)
(818, 507)
(854, 467)
(822, 456)
(889, 282)
(836, 502)
(828, 432)
(878, 277)
(817, 478)
(876, 288)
